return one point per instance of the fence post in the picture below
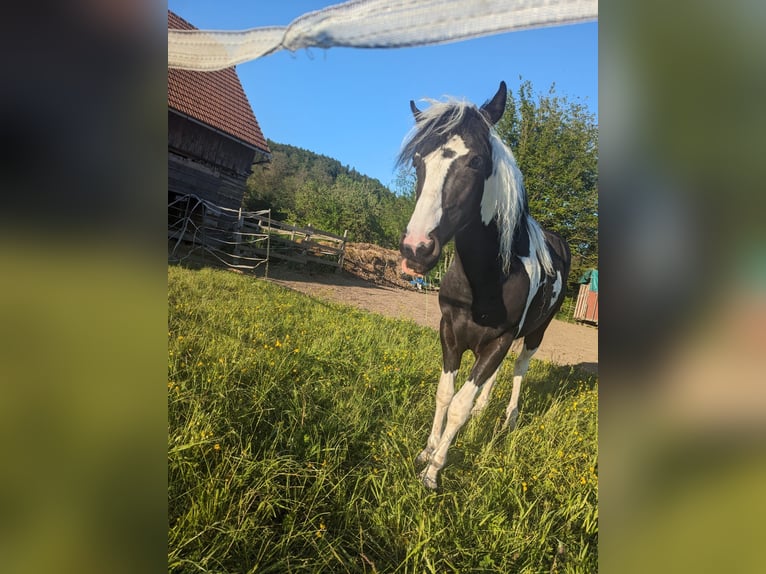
(305, 244)
(238, 235)
(342, 250)
(268, 244)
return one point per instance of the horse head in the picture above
(451, 152)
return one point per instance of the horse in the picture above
(507, 278)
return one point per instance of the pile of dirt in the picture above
(375, 264)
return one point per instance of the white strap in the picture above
(374, 24)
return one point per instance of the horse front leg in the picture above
(451, 355)
(459, 411)
(457, 414)
(444, 394)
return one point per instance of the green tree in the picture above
(345, 205)
(396, 208)
(555, 142)
(307, 188)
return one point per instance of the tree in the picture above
(303, 187)
(555, 142)
(345, 205)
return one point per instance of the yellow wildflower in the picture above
(322, 528)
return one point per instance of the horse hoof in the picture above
(423, 457)
(428, 482)
(510, 422)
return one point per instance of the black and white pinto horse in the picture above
(508, 275)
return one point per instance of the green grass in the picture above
(566, 312)
(292, 429)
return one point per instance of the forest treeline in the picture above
(304, 188)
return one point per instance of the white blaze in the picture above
(428, 209)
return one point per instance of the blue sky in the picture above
(353, 105)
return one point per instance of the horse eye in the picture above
(475, 162)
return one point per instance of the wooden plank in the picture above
(251, 228)
(295, 258)
(313, 259)
(586, 308)
(579, 311)
(281, 226)
(311, 245)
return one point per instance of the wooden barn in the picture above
(213, 136)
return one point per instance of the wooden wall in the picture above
(586, 308)
(206, 163)
(186, 176)
(192, 139)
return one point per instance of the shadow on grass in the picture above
(546, 382)
(587, 367)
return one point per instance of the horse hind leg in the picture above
(520, 368)
(444, 393)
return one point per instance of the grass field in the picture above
(292, 429)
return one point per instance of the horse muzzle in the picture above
(420, 253)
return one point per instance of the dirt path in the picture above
(564, 343)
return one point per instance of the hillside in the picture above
(303, 187)
(290, 161)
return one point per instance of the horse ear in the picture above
(415, 111)
(493, 110)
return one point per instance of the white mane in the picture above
(504, 200)
(438, 119)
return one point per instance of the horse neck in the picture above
(477, 246)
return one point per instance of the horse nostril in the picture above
(426, 248)
(417, 246)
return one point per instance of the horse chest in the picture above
(489, 302)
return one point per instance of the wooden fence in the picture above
(204, 233)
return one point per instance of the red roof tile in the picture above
(214, 98)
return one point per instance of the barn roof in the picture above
(213, 98)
